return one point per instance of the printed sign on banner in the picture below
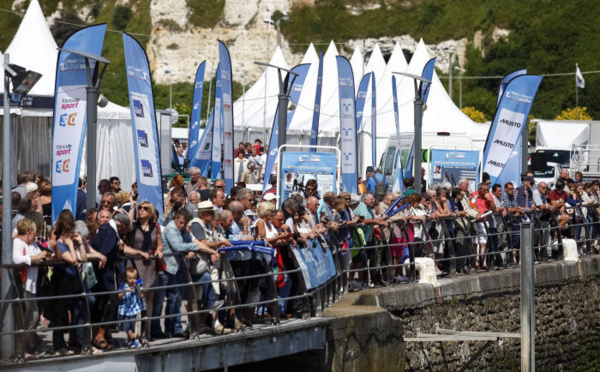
(299, 167)
(452, 165)
(145, 144)
(348, 145)
(67, 133)
(228, 137)
(509, 126)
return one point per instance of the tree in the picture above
(578, 113)
(474, 114)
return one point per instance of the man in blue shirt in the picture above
(372, 183)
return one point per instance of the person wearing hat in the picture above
(201, 228)
(524, 194)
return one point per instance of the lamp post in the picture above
(277, 23)
(168, 72)
(284, 95)
(22, 82)
(420, 95)
(459, 86)
(450, 75)
(93, 82)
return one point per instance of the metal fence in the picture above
(451, 242)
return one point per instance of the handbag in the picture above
(198, 265)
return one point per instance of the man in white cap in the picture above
(202, 229)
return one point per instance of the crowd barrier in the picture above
(320, 272)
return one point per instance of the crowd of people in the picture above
(135, 264)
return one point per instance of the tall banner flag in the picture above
(215, 168)
(424, 93)
(505, 81)
(204, 154)
(227, 114)
(512, 170)
(511, 116)
(348, 140)
(373, 121)
(194, 135)
(295, 92)
(143, 124)
(398, 185)
(361, 96)
(314, 132)
(70, 122)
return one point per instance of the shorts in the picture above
(481, 237)
(128, 323)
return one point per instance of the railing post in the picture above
(527, 299)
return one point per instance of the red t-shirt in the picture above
(483, 205)
(555, 197)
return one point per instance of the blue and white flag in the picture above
(398, 185)
(361, 96)
(194, 135)
(143, 125)
(295, 92)
(204, 153)
(227, 114)
(512, 170)
(348, 138)
(314, 132)
(215, 168)
(70, 122)
(579, 81)
(409, 161)
(373, 121)
(505, 131)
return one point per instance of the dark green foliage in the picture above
(121, 17)
(205, 13)
(65, 26)
(546, 36)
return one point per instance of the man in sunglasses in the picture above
(115, 184)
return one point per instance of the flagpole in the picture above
(576, 94)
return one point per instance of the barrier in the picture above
(320, 272)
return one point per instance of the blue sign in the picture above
(452, 165)
(298, 167)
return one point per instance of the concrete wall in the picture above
(567, 322)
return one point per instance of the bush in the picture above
(121, 17)
(474, 114)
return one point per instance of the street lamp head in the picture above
(22, 79)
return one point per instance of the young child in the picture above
(131, 305)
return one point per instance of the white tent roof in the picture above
(256, 108)
(441, 115)
(358, 67)
(304, 109)
(34, 48)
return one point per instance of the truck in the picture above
(558, 138)
(440, 140)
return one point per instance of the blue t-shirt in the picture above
(67, 268)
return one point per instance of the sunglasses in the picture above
(219, 187)
(143, 207)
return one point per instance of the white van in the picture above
(440, 140)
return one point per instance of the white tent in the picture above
(34, 48)
(255, 110)
(358, 66)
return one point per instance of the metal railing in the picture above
(453, 251)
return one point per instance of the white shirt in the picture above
(20, 247)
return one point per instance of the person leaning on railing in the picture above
(26, 252)
(65, 281)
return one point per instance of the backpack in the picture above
(380, 188)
